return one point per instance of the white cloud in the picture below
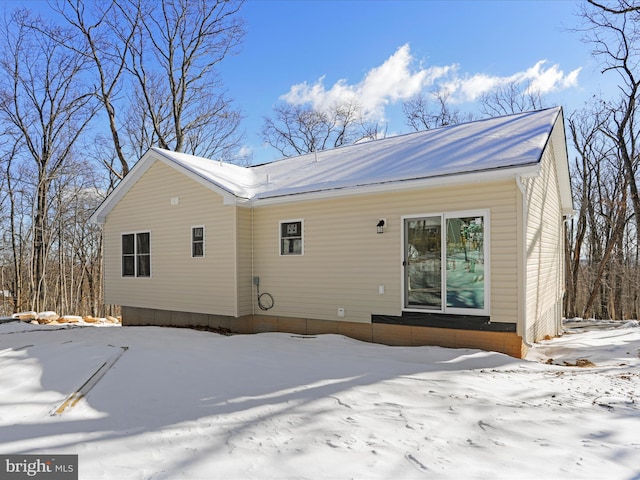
(571, 79)
(245, 151)
(395, 80)
(390, 82)
(538, 78)
(551, 79)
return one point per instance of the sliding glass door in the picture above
(445, 268)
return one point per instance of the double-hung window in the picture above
(136, 254)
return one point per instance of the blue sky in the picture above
(382, 51)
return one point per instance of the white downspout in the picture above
(253, 305)
(523, 261)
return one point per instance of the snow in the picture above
(229, 177)
(186, 404)
(509, 141)
(486, 145)
(484, 150)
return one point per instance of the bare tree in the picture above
(14, 278)
(613, 31)
(155, 67)
(300, 129)
(76, 245)
(586, 136)
(513, 97)
(622, 7)
(7, 202)
(608, 223)
(612, 267)
(424, 112)
(103, 34)
(603, 278)
(179, 102)
(49, 109)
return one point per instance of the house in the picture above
(451, 237)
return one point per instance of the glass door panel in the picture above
(423, 263)
(465, 283)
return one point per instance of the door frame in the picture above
(443, 231)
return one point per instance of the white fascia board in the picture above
(532, 170)
(562, 166)
(236, 201)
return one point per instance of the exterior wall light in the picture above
(380, 226)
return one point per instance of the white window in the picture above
(291, 237)
(136, 254)
(197, 241)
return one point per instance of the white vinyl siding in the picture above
(545, 252)
(168, 204)
(244, 268)
(345, 259)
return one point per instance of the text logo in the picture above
(39, 467)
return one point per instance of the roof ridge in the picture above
(507, 143)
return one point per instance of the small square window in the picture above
(291, 238)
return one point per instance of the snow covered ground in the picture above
(184, 404)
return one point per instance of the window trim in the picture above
(280, 238)
(444, 309)
(135, 254)
(192, 242)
